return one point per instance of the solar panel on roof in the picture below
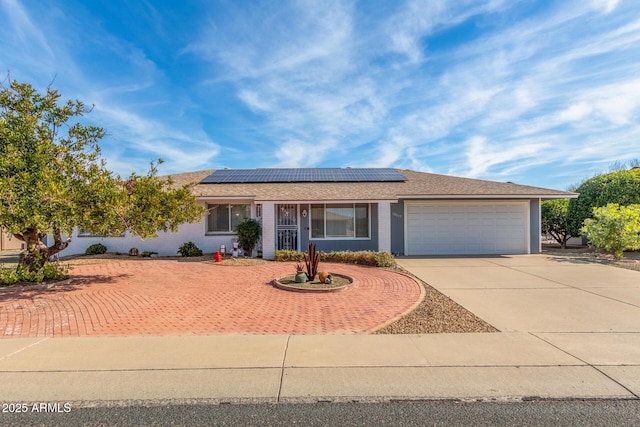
(239, 176)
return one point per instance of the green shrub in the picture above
(147, 254)
(621, 187)
(286, 255)
(385, 260)
(96, 249)
(249, 232)
(189, 249)
(614, 228)
(49, 271)
(375, 259)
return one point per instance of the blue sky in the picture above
(543, 93)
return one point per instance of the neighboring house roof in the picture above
(418, 185)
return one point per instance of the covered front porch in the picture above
(331, 225)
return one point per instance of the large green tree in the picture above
(53, 179)
(622, 187)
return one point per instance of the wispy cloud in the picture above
(181, 150)
(129, 102)
(24, 46)
(513, 90)
(605, 5)
(481, 156)
(513, 85)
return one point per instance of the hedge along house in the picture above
(399, 211)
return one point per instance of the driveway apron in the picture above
(537, 293)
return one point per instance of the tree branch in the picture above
(59, 245)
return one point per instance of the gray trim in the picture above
(534, 226)
(397, 228)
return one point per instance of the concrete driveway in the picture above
(537, 293)
(590, 312)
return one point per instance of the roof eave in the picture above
(488, 196)
(326, 201)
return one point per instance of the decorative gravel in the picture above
(630, 261)
(436, 314)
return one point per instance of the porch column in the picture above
(384, 227)
(268, 231)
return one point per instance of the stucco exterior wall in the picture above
(166, 244)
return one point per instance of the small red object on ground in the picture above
(218, 257)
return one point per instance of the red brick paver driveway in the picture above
(166, 297)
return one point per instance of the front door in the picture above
(287, 227)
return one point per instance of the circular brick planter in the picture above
(294, 288)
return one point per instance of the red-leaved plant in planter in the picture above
(311, 260)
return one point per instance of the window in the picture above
(224, 218)
(85, 233)
(334, 221)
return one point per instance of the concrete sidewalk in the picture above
(284, 368)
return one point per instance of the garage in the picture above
(466, 228)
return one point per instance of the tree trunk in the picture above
(36, 253)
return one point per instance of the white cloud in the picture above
(28, 35)
(481, 157)
(420, 18)
(181, 150)
(253, 101)
(297, 153)
(575, 113)
(618, 103)
(607, 6)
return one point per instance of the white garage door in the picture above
(446, 228)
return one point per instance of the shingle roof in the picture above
(418, 184)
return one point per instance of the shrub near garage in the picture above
(614, 228)
(621, 187)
